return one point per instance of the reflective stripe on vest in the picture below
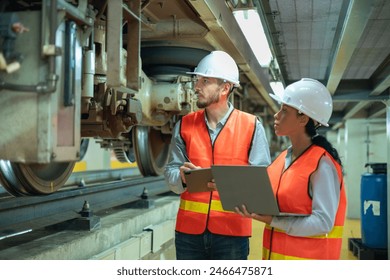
(199, 211)
(285, 246)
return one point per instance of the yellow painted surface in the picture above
(116, 164)
(80, 166)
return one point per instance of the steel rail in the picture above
(18, 214)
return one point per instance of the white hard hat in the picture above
(310, 97)
(218, 64)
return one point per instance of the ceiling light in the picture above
(277, 87)
(250, 24)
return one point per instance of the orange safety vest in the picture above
(203, 210)
(291, 188)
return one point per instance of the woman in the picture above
(306, 179)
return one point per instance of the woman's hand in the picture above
(212, 186)
(262, 218)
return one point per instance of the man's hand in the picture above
(185, 167)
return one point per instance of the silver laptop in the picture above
(248, 185)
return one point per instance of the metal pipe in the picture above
(51, 81)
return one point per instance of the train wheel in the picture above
(151, 150)
(9, 181)
(34, 179)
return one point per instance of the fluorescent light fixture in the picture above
(250, 24)
(277, 87)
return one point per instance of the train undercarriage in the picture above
(111, 71)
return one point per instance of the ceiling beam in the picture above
(355, 22)
(358, 95)
(368, 100)
(381, 78)
(382, 86)
(351, 112)
(378, 113)
(355, 109)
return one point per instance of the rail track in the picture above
(85, 194)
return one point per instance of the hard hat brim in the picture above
(276, 97)
(235, 84)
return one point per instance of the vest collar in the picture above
(223, 121)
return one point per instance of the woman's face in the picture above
(288, 121)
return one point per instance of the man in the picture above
(215, 134)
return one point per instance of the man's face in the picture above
(208, 91)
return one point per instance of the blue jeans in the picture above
(209, 246)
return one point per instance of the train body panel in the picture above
(40, 126)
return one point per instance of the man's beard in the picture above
(211, 100)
